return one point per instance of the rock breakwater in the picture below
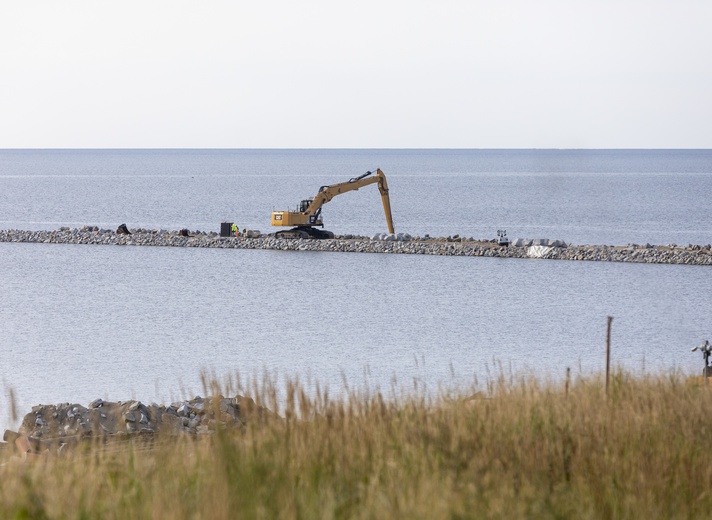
(404, 244)
(56, 426)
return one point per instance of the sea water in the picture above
(81, 322)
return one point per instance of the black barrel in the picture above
(226, 229)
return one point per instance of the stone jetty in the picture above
(393, 244)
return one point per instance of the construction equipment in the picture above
(308, 215)
(706, 349)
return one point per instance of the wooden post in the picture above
(568, 381)
(608, 353)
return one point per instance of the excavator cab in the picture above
(303, 205)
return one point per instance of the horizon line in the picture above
(347, 148)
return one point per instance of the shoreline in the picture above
(450, 246)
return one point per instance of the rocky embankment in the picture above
(55, 427)
(399, 244)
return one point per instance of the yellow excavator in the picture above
(308, 215)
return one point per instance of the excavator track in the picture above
(304, 232)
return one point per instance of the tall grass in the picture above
(526, 450)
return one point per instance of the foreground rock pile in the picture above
(401, 244)
(52, 426)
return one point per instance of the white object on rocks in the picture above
(537, 251)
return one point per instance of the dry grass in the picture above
(530, 450)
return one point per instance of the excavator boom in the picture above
(309, 213)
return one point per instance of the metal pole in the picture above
(608, 353)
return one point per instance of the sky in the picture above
(347, 74)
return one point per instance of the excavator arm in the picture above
(310, 211)
(326, 193)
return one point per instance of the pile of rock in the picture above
(541, 242)
(52, 426)
(401, 243)
(643, 254)
(390, 237)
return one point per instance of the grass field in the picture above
(517, 450)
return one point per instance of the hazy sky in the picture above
(383, 74)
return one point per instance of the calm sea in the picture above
(81, 322)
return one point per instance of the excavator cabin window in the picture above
(304, 205)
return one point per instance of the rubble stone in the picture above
(381, 243)
(64, 423)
